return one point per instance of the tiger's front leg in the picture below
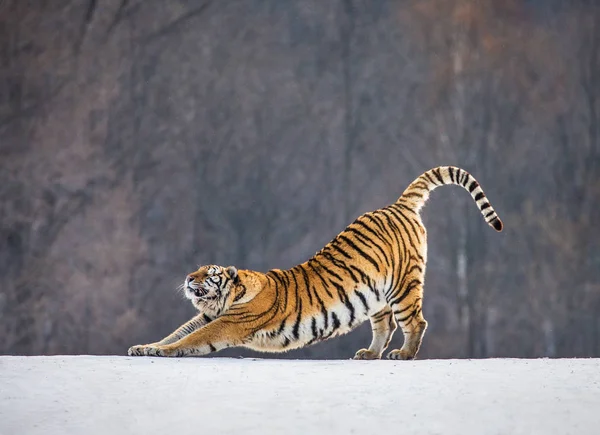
(187, 328)
(213, 337)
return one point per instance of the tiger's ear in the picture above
(232, 272)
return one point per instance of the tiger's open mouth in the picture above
(199, 292)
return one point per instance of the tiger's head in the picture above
(210, 286)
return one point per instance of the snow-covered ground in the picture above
(124, 395)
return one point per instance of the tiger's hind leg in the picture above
(383, 326)
(407, 308)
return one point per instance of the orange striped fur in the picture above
(374, 270)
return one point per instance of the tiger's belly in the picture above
(316, 325)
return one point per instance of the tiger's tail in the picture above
(417, 193)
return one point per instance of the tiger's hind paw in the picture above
(400, 354)
(366, 354)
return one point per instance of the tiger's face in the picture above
(209, 286)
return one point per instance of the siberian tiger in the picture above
(374, 270)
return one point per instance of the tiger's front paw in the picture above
(137, 350)
(148, 350)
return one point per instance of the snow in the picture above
(119, 395)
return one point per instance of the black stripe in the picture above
(222, 283)
(286, 292)
(406, 275)
(369, 229)
(430, 179)
(399, 215)
(275, 276)
(408, 307)
(414, 283)
(285, 278)
(326, 269)
(306, 283)
(397, 234)
(437, 174)
(341, 265)
(206, 318)
(325, 289)
(484, 206)
(467, 177)
(479, 196)
(473, 186)
(369, 242)
(344, 298)
(323, 310)
(360, 251)
(336, 262)
(451, 172)
(412, 268)
(376, 321)
(281, 327)
(241, 294)
(400, 243)
(363, 300)
(340, 250)
(212, 348)
(379, 316)
(366, 280)
(387, 235)
(461, 177)
(378, 223)
(396, 288)
(296, 328)
(489, 214)
(420, 185)
(335, 321)
(412, 195)
(310, 299)
(410, 315)
(313, 327)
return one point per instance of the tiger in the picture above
(374, 269)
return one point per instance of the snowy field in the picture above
(124, 395)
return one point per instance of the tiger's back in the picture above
(374, 270)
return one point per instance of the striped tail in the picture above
(417, 192)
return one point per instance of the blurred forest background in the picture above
(140, 138)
